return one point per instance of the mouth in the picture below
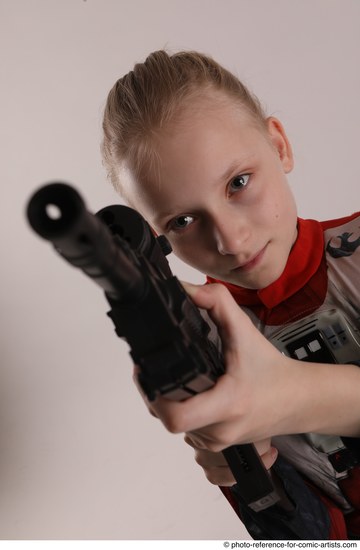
(252, 263)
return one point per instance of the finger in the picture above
(201, 410)
(193, 441)
(217, 470)
(263, 446)
(207, 459)
(204, 457)
(222, 308)
(220, 476)
(269, 458)
(215, 467)
(152, 412)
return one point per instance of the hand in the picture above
(216, 468)
(244, 405)
(262, 393)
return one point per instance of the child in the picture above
(190, 148)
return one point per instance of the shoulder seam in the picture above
(328, 224)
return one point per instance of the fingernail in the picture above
(189, 287)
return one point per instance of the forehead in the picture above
(207, 138)
(207, 105)
(207, 132)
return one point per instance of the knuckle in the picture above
(222, 439)
(199, 459)
(214, 446)
(219, 476)
(173, 424)
(220, 290)
(213, 476)
(152, 412)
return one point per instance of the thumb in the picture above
(222, 309)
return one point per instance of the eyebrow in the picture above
(236, 166)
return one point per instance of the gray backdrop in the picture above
(80, 457)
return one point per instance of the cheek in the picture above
(184, 251)
(192, 253)
(281, 206)
(285, 218)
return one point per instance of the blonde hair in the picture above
(143, 101)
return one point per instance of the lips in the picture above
(253, 262)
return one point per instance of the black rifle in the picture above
(168, 336)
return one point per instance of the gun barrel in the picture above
(57, 213)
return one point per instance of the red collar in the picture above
(304, 260)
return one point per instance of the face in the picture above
(221, 195)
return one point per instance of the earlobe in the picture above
(281, 143)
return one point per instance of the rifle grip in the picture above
(257, 488)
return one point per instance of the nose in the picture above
(230, 235)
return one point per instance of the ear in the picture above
(281, 143)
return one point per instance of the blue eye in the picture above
(182, 222)
(239, 182)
